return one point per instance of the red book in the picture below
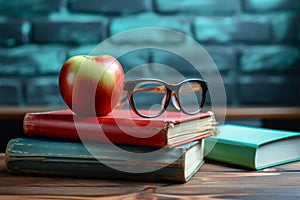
(121, 127)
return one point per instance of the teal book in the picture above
(251, 147)
(53, 157)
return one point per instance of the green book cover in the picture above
(251, 147)
(53, 157)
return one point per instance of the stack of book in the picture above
(60, 143)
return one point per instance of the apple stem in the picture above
(87, 57)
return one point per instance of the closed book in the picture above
(121, 127)
(252, 147)
(54, 157)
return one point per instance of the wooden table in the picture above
(241, 112)
(213, 181)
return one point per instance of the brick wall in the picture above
(254, 43)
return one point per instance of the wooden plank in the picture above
(70, 191)
(242, 112)
(259, 112)
(239, 185)
(18, 112)
(135, 196)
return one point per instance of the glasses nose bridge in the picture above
(171, 88)
(173, 96)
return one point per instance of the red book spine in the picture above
(64, 127)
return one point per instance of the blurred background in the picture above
(254, 43)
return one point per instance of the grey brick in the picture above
(43, 91)
(270, 59)
(81, 49)
(269, 90)
(11, 92)
(230, 87)
(14, 32)
(75, 29)
(111, 6)
(27, 8)
(263, 6)
(175, 67)
(31, 60)
(211, 7)
(233, 29)
(285, 27)
(179, 24)
(134, 63)
(223, 57)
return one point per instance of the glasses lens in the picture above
(190, 96)
(149, 98)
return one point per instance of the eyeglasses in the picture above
(150, 97)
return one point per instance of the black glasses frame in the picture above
(171, 89)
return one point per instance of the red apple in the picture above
(91, 84)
